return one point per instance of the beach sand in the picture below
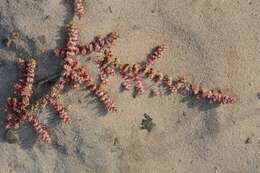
(214, 43)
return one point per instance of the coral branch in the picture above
(73, 37)
(99, 44)
(152, 73)
(78, 8)
(138, 85)
(70, 63)
(106, 66)
(215, 96)
(103, 97)
(40, 129)
(23, 90)
(96, 90)
(59, 108)
(126, 83)
(137, 72)
(95, 46)
(124, 73)
(19, 110)
(137, 79)
(18, 107)
(167, 81)
(156, 54)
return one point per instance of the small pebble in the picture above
(258, 95)
(248, 140)
(110, 9)
(47, 17)
(147, 123)
(116, 141)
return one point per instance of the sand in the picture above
(213, 42)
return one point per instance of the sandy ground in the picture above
(213, 42)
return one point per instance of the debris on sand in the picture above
(147, 123)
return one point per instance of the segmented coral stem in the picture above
(106, 66)
(70, 63)
(97, 45)
(73, 37)
(156, 54)
(138, 84)
(124, 73)
(126, 83)
(186, 88)
(23, 87)
(96, 90)
(40, 130)
(103, 97)
(59, 108)
(136, 76)
(168, 83)
(78, 8)
(155, 93)
(23, 91)
(12, 119)
(18, 109)
(214, 96)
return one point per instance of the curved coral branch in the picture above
(186, 88)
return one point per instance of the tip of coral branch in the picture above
(115, 34)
